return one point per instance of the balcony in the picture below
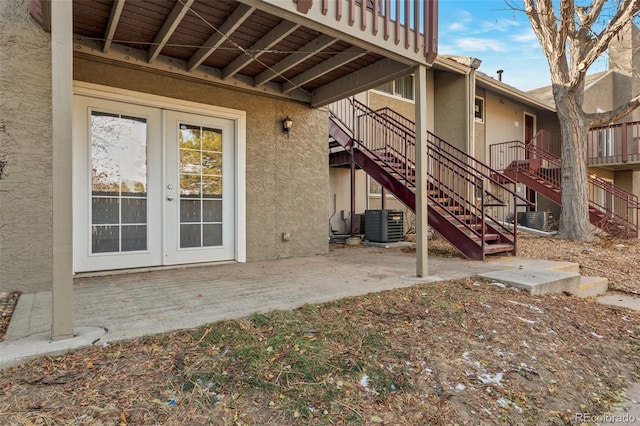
(310, 51)
(615, 147)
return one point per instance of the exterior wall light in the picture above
(287, 124)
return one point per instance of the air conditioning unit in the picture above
(384, 226)
(535, 220)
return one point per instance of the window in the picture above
(402, 87)
(375, 189)
(479, 110)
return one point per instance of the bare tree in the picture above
(572, 37)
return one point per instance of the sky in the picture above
(500, 37)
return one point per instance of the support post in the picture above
(422, 225)
(62, 110)
(352, 180)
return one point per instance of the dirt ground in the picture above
(457, 352)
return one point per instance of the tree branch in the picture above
(604, 118)
(624, 14)
(589, 14)
(566, 30)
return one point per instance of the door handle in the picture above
(170, 198)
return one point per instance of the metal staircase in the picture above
(467, 205)
(611, 208)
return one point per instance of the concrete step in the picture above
(592, 286)
(563, 267)
(538, 281)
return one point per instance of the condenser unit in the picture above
(384, 226)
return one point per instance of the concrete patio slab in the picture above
(136, 304)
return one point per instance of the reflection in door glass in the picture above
(200, 186)
(118, 183)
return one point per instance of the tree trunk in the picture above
(574, 216)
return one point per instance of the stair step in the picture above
(442, 200)
(471, 225)
(537, 281)
(487, 237)
(591, 286)
(498, 248)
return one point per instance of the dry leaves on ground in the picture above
(466, 352)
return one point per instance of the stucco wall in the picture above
(480, 150)
(340, 197)
(379, 100)
(504, 119)
(287, 180)
(600, 95)
(25, 143)
(450, 115)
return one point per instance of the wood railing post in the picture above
(625, 150)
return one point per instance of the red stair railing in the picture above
(479, 193)
(614, 203)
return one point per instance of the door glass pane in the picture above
(118, 183)
(200, 181)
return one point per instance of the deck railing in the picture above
(405, 27)
(606, 145)
(614, 144)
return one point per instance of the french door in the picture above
(152, 186)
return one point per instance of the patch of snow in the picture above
(364, 381)
(532, 307)
(497, 284)
(528, 321)
(489, 379)
(505, 403)
(460, 387)
(597, 335)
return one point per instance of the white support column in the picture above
(62, 108)
(420, 77)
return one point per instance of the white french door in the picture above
(199, 188)
(151, 186)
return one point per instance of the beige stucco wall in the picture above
(25, 143)
(480, 149)
(340, 197)
(450, 114)
(504, 118)
(379, 100)
(599, 95)
(287, 180)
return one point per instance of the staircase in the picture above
(611, 208)
(467, 205)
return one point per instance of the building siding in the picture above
(25, 143)
(287, 180)
(450, 111)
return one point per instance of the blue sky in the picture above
(497, 35)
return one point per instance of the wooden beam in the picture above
(421, 162)
(114, 18)
(367, 78)
(329, 65)
(91, 49)
(282, 30)
(45, 5)
(40, 11)
(294, 59)
(236, 19)
(173, 20)
(61, 172)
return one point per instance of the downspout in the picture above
(474, 64)
(470, 79)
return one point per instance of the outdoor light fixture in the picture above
(287, 124)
